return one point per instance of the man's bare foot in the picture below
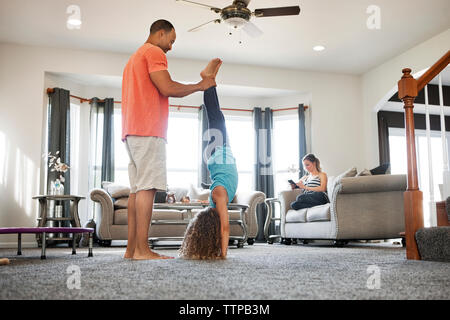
(211, 69)
(128, 255)
(149, 255)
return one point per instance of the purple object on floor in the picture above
(44, 231)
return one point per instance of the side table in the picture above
(73, 217)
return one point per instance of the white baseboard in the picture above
(13, 245)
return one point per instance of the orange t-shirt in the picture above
(145, 110)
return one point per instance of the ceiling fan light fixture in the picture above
(236, 23)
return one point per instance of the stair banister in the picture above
(408, 89)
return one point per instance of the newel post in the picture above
(413, 197)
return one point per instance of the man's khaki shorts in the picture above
(147, 167)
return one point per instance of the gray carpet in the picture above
(256, 272)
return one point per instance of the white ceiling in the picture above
(339, 25)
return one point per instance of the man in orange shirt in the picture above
(146, 86)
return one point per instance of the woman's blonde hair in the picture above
(202, 239)
(312, 158)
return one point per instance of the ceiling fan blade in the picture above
(275, 12)
(216, 10)
(204, 24)
(252, 30)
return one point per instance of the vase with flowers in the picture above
(55, 165)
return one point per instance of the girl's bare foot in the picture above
(211, 69)
(128, 255)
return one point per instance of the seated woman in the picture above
(314, 185)
(207, 234)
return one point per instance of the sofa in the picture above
(363, 207)
(111, 214)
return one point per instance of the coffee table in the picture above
(190, 214)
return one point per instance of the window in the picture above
(241, 134)
(285, 150)
(74, 147)
(182, 150)
(96, 144)
(183, 153)
(121, 158)
(397, 149)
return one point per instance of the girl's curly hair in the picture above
(202, 239)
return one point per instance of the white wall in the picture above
(380, 83)
(335, 113)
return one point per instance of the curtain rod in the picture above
(51, 90)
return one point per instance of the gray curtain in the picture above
(59, 140)
(102, 118)
(263, 168)
(383, 139)
(59, 133)
(203, 176)
(301, 138)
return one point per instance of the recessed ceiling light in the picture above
(319, 48)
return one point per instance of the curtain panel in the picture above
(102, 141)
(59, 133)
(301, 139)
(59, 141)
(263, 167)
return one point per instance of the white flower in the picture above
(56, 164)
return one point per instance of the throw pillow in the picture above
(116, 191)
(383, 169)
(365, 172)
(347, 174)
(121, 203)
(333, 181)
(197, 194)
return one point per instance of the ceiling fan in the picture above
(238, 15)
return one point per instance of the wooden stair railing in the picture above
(408, 89)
